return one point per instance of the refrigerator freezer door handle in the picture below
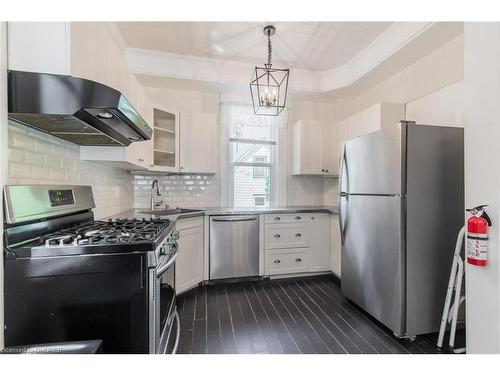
(343, 166)
(341, 217)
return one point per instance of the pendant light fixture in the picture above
(269, 86)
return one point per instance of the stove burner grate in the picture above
(119, 231)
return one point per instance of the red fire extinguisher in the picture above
(477, 236)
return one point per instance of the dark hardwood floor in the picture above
(306, 315)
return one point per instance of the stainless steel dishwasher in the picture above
(234, 246)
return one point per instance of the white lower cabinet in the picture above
(320, 237)
(336, 246)
(286, 235)
(189, 264)
(286, 261)
(297, 243)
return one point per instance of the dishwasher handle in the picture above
(234, 219)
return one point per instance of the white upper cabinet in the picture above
(165, 145)
(88, 58)
(39, 47)
(329, 149)
(184, 142)
(313, 145)
(198, 143)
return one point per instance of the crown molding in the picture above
(163, 64)
(234, 73)
(386, 44)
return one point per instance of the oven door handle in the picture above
(178, 333)
(161, 270)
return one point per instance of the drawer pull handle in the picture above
(298, 235)
(277, 218)
(298, 260)
(277, 261)
(298, 218)
(277, 235)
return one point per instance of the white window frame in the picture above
(272, 164)
(259, 196)
(255, 157)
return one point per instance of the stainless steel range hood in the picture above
(78, 110)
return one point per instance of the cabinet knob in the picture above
(298, 260)
(277, 261)
(277, 235)
(322, 170)
(327, 170)
(298, 235)
(298, 217)
(277, 218)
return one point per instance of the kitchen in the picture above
(143, 162)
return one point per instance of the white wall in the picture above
(439, 69)
(3, 154)
(445, 106)
(482, 140)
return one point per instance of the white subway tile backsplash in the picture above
(15, 155)
(37, 158)
(52, 161)
(17, 170)
(34, 159)
(179, 190)
(44, 147)
(21, 141)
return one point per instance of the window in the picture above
(259, 172)
(251, 156)
(259, 200)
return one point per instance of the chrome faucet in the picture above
(155, 194)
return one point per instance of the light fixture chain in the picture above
(269, 49)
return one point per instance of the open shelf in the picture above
(165, 138)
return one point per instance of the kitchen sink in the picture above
(170, 211)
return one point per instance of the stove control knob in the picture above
(163, 250)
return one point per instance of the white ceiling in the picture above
(305, 45)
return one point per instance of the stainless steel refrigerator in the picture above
(401, 206)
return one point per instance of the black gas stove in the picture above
(69, 277)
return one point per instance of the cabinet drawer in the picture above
(191, 222)
(277, 236)
(286, 261)
(286, 218)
